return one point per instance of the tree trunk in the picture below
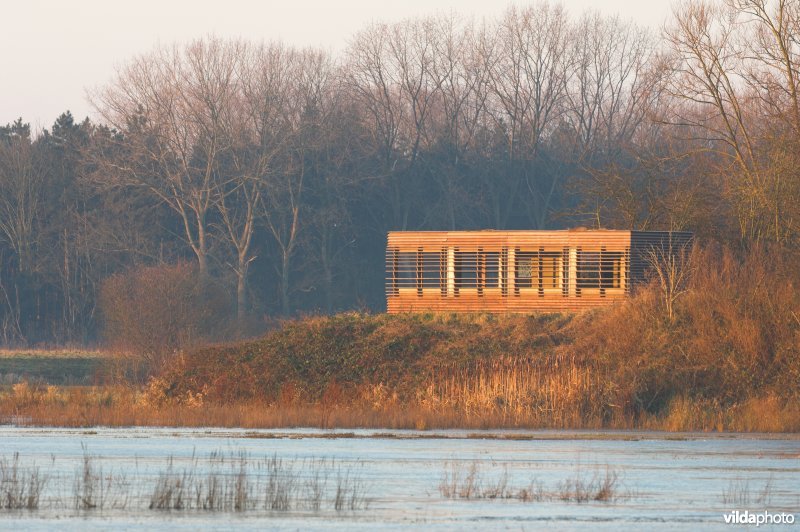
(241, 291)
(285, 284)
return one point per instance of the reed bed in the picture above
(20, 486)
(521, 392)
(462, 480)
(236, 482)
(511, 394)
(740, 493)
(220, 482)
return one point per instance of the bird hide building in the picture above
(521, 271)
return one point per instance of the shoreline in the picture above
(411, 434)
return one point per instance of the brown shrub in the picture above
(151, 312)
(734, 334)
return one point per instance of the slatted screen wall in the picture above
(519, 271)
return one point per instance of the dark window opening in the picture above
(611, 269)
(588, 269)
(600, 269)
(431, 270)
(490, 262)
(466, 269)
(406, 276)
(550, 274)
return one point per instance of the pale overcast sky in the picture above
(51, 51)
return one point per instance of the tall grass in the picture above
(237, 483)
(596, 486)
(445, 401)
(20, 487)
(740, 493)
(520, 392)
(462, 480)
(234, 482)
(95, 490)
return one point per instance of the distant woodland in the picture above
(239, 182)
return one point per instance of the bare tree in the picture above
(306, 111)
(374, 81)
(529, 82)
(22, 182)
(773, 44)
(612, 89)
(458, 111)
(735, 74)
(174, 108)
(260, 133)
(671, 266)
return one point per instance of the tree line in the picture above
(275, 172)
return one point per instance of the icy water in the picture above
(400, 479)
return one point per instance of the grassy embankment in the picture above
(728, 360)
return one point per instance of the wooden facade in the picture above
(519, 271)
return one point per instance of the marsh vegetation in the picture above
(219, 482)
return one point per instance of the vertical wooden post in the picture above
(451, 272)
(395, 265)
(602, 267)
(480, 270)
(573, 272)
(443, 272)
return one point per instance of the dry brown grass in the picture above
(521, 392)
(509, 400)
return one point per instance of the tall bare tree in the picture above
(260, 132)
(22, 184)
(735, 76)
(612, 88)
(306, 109)
(174, 107)
(529, 88)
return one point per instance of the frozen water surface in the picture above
(670, 481)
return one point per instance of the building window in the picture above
(550, 270)
(477, 269)
(431, 270)
(490, 269)
(600, 269)
(406, 270)
(525, 269)
(611, 269)
(466, 269)
(541, 270)
(588, 269)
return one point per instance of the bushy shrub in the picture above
(735, 333)
(151, 312)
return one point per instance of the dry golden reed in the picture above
(511, 397)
